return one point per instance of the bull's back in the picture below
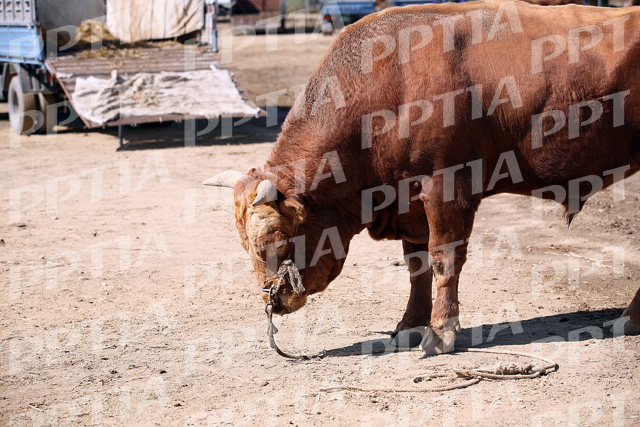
(480, 80)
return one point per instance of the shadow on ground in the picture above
(204, 133)
(576, 326)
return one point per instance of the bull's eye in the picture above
(282, 250)
(267, 244)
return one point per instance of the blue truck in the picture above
(27, 84)
(338, 13)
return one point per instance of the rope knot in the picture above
(289, 273)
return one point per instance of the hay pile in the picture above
(93, 32)
(93, 40)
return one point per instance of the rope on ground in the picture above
(403, 390)
(500, 371)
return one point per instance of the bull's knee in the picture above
(447, 260)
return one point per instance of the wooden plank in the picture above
(138, 58)
(156, 61)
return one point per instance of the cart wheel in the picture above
(44, 101)
(22, 108)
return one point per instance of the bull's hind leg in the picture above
(450, 225)
(410, 330)
(629, 323)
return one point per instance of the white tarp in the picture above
(208, 93)
(133, 20)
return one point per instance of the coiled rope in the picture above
(289, 272)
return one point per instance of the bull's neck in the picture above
(322, 172)
(331, 203)
(327, 234)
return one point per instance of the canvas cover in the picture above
(134, 20)
(204, 93)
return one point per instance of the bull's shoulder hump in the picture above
(527, 11)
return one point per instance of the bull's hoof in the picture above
(438, 341)
(625, 326)
(408, 338)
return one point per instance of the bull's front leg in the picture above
(410, 331)
(450, 225)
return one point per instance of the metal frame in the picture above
(25, 8)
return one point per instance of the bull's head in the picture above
(266, 221)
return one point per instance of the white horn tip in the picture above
(224, 179)
(209, 181)
(267, 192)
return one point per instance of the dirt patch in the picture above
(128, 300)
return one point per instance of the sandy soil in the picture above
(128, 300)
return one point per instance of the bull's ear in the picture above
(224, 179)
(293, 209)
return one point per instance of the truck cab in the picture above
(26, 83)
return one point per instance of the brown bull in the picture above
(449, 104)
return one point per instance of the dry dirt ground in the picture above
(128, 300)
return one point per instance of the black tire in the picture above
(44, 101)
(21, 108)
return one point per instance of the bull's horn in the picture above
(224, 179)
(267, 192)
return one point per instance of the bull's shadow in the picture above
(576, 326)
